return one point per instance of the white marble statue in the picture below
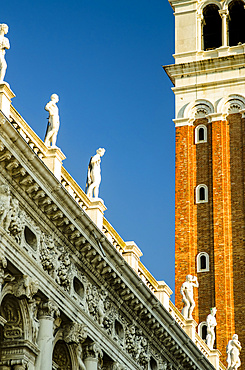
(187, 295)
(211, 323)
(53, 121)
(233, 349)
(94, 175)
(4, 44)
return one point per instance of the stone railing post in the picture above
(163, 294)
(213, 357)
(53, 159)
(132, 255)
(96, 211)
(6, 94)
(92, 355)
(190, 328)
(48, 311)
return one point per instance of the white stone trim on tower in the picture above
(233, 103)
(200, 108)
(199, 268)
(197, 134)
(198, 196)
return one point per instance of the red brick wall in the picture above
(216, 227)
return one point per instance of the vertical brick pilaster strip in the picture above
(222, 234)
(204, 221)
(237, 160)
(185, 228)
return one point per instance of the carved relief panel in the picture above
(61, 356)
(10, 311)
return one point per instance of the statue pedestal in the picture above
(6, 94)
(132, 255)
(163, 293)
(213, 357)
(190, 328)
(96, 211)
(53, 159)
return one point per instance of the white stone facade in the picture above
(207, 83)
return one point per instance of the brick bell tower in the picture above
(209, 87)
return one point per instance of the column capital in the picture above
(75, 333)
(224, 12)
(93, 350)
(48, 309)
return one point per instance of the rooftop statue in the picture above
(211, 323)
(187, 295)
(53, 121)
(94, 175)
(4, 44)
(233, 351)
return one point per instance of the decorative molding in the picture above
(198, 109)
(233, 103)
(199, 256)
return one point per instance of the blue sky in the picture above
(103, 58)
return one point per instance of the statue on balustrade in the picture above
(4, 44)
(211, 323)
(187, 295)
(53, 121)
(94, 174)
(233, 351)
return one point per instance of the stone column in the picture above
(6, 94)
(47, 313)
(224, 15)
(199, 32)
(92, 355)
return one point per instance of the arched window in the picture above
(200, 134)
(212, 27)
(236, 23)
(202, 330)
(202, 262)
(201, 193)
